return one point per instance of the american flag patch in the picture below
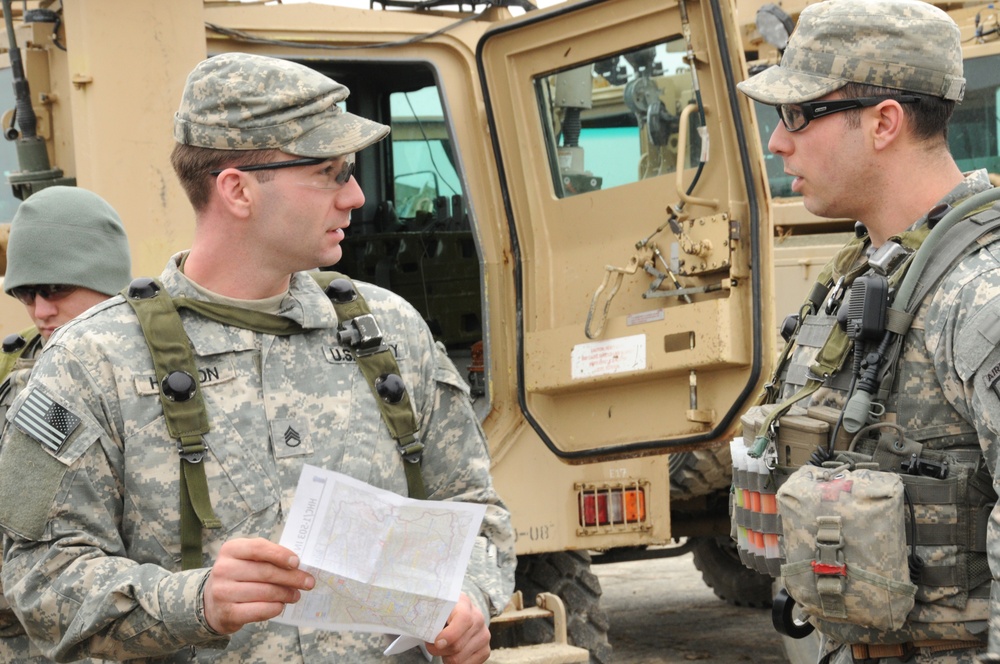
(45, 420)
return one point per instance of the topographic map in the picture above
(382, 562)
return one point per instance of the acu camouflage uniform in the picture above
(15, 646)
(945, 390)
(943, 396)
(93, 564)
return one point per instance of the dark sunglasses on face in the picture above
(797, 117)
(49, 292)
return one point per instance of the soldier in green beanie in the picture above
(67, 252)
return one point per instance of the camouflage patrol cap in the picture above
(238, 101)
(901, 44)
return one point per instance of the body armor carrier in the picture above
(863, 496)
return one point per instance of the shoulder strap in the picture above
(183, 407)
(953, 237)
(14, 346)
(358, 329)
(980, 218)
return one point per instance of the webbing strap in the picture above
(961, 241)
(829, 567)
(187, 420)
(842, 269)
(398, 416)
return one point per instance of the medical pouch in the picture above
(845, 548)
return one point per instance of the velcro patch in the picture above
(992, 378)
(45, 420)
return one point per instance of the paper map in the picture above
(382, 562)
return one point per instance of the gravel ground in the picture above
(661, 612)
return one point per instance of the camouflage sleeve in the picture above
(66, 567)
(457, 467)
(963, 335)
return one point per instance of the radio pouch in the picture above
(845, 546)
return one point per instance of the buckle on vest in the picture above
(192, 452)
(362, 334)
(412, 452)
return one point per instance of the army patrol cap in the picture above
(238, 101)
(67, 235)
(907, 45)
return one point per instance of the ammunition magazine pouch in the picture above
(184, 407)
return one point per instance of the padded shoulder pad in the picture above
(973, 347)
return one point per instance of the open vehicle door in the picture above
(636, 211)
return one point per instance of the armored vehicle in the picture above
(576, 198)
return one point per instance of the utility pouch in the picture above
(845, 547)
(799, 432)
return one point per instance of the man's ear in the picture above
(887, 123)
(235, 190)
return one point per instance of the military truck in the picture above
(576, 199)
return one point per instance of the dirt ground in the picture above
(661, 612)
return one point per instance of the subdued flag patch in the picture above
(45, 420)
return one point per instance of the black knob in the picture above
(341, 291)
(142, 288)
(859, 229)
(390, 387)
(789, 325)
(13, 343)
(178, 386)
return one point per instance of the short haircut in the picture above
(929, 117)
(194, 164)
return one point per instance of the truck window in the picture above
(413, 236)
(614, 121)
(421, 153)
(974, 133)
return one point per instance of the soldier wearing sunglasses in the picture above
(864, 93)
(67, 252)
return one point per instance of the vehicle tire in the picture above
(566, 574)
(700, 472)
(719, 563)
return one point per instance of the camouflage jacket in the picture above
(946, 395)
(15, 647)
(93, 556)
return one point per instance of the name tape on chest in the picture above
(344, 355)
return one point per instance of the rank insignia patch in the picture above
(45, 420)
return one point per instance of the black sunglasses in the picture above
(341, 178)
(50, 292)
(797, 117)
(307, 161)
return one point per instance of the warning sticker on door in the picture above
(599, 358)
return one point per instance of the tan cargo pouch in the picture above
(845, 545)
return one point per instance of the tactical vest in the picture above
(14, 347)
(184, 407)
(861, 419)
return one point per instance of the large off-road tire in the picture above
(719, 563)
(700, 472)
(566, 574)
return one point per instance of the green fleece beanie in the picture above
(67, 235)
